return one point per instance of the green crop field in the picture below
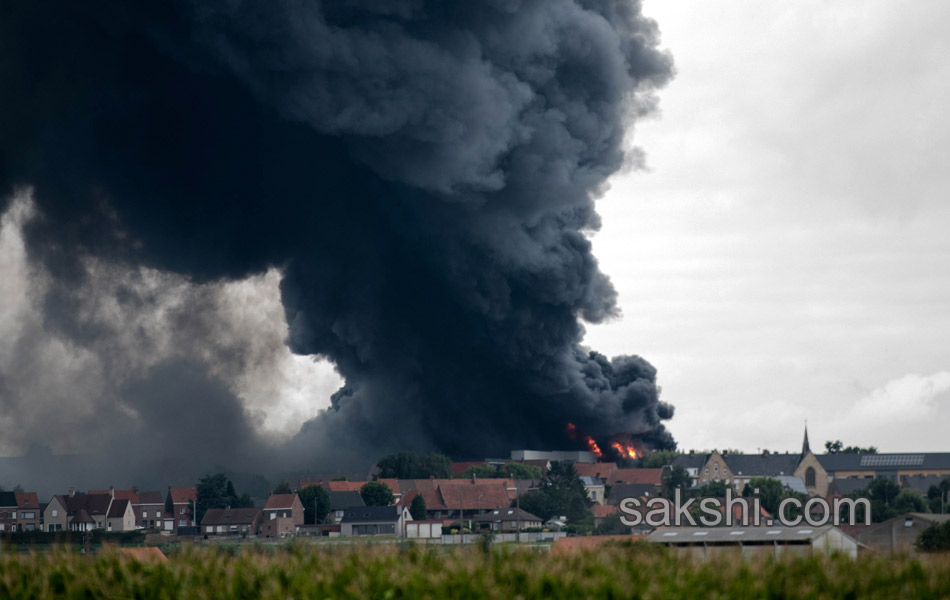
(617, 571)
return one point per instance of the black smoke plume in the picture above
(423, 173)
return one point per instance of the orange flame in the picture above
(572, 433)
(625, 450)
(571, 430)
(592, 446)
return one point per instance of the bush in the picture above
(935, 538)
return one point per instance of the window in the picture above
(209, 529)
(158, 514)
(55, 513)
(707, 472)
(182, 511)
(273, 516)
(28, 515)
(144, 514)
(183, 522)
(810, 477)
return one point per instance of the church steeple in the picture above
(805, 447)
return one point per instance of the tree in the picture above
(658, 459)
(410, 465)
(316, 503)
(612, 525)
(537, 503)
(217, 491)
(882, 493)
(710, 489)
(482, 472)
(561, 494)
(678, 478)
(417, 508)
(935, 538)
(837, 447)
(771, 492)
(937, 496)
(521, 471)
(283, 488)
(376, 493)
(909, 500)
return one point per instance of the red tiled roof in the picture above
(603, 510)
(278, 501)
(150, 498)
(635, 476)
(474, 497)
(129, 495)
(344, 486)
(27, 500)
(601, 470)
(182, 495)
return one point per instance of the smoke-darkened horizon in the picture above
(421, 175)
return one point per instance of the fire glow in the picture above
(625, 450)
(622, 448)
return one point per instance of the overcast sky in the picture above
(785, 257)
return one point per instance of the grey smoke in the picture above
(423, 175)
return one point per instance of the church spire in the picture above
(805, 447)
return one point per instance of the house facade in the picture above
(120, 517)
(232, 521)
(149, 510)
(180, 504)
(284, 506)
(77, 511)
(19, 511)
(375, 520)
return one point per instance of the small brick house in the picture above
(284, 506)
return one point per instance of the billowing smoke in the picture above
(421, 173)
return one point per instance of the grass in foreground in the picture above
(619, 571)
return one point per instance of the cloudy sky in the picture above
(785, 255)
(781, 259)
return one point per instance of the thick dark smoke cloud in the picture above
(423, 173)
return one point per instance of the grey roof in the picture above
(793, 483)
(690, 461)
(630, 490)
(925, 517)
(591, 481)
(371, 514)
(344, 500)
(848, 485)
(230, 516)
(118, 508)
(8, 499)
(842, 461)
(736, 535)
(506, 514)
(762, 465)
(921, 483)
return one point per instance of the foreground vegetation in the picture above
(618, 571)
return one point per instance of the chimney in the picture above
(111, 491)
(765, 452)
(72, 492)
(692, 452)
